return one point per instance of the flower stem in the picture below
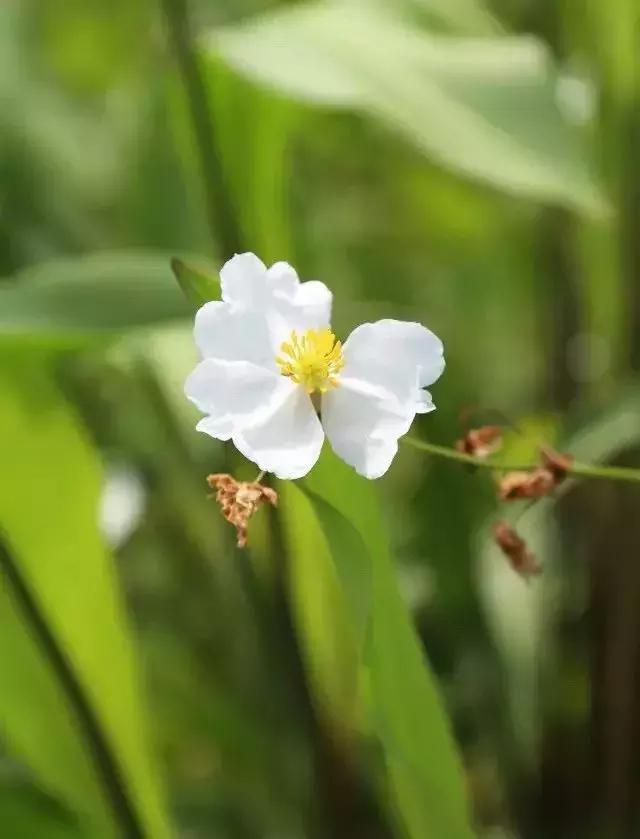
(580, 470)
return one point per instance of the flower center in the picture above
(313, 359)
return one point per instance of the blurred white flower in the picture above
(271, 364)
(121, 505)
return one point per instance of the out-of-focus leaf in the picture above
(403, 705)
(609, 433)
(198, 286)
(28, 814)
(257, 168)
(518, 617)
(483, 107)
(464, 16)
(91, 295)
(48, 515)
(521, 616)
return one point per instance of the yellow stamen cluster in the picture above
(312, 360)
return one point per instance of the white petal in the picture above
(243, 278)
(312, 304)
(223, 331)
(247, 283)
(288, 441)
(401, 356)
(232, 393)
(424, 405)
(283, 279)
(363, 423)
(309, 307)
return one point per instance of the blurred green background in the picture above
(470, 165)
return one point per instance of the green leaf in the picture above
(319, 611)
(483, 107)
(93, 295)
(26, 813)
(198, 286)
(403, 703)
(608, 432)
(461, 16)
(48, 520)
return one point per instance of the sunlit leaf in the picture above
(470, 17)
(483, 107)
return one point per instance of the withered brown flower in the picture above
(481, 442)
(539, 481)
(558, 463)
(239, 500)
(515, 549)
(534, 484)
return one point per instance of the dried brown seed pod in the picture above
(558, 463)
(515, 549)
(517, 485)
(239, 500)
(481, 442)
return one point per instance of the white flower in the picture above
(270, 362)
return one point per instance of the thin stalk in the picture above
(106, 763)
(222, 223)
(582, 470)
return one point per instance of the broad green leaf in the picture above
(468, 17)
(198, 285)
(91, 295)
(483, 107)
(48, 518)
(404, 707)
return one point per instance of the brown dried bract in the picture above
(239, 500)
(481, 442)
(515, 549)
(517, 485)
(557, 463)
(539, 481)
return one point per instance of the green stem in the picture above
(582, 470)
(222, 222)
(606, 473)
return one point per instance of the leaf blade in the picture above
(453, 98)
(86, 618)
(405, 709)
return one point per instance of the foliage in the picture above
(370, 666)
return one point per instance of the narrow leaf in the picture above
(198, 285)
(48, 515)
(404, 707)
(91, 296)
